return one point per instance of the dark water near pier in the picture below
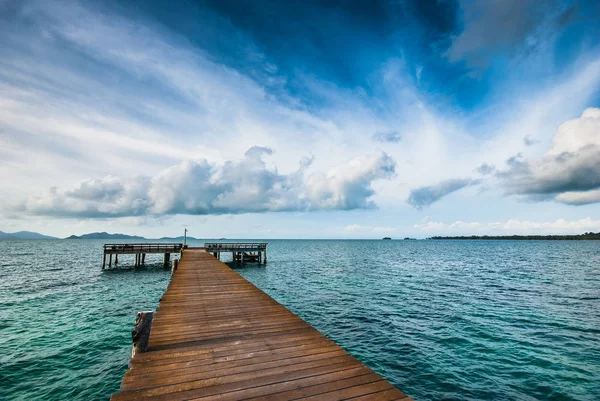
(490, 320)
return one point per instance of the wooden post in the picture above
(110, 261)
(215, 254)
(265, 261)
(167, 259)
(103, 261)
(143, 259)
(242, 255)
(174, 266)
(116, 259)
(141, 333)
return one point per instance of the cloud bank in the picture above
(234, 187)
(569, 172)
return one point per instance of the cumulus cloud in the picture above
(579, 198)
(387, 136)
(569, 172)
(425, 196)
(200, 187)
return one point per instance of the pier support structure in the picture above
(139, 252)
(247, 252)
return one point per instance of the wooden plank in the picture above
(215, 336)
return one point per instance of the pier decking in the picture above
(215, 336)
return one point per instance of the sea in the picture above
(440, 319)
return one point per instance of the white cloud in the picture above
(199, 187)
(150, 104)
(568, 170)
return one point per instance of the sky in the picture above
(300, 119)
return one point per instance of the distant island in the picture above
(177, 239)
(105, 235)
(30, 235)
(585, 236)
(24, 235)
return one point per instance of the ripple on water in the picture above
(495, 320)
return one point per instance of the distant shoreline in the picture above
(576, 237)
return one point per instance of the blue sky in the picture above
(312, 119)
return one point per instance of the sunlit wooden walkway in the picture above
(216, 336)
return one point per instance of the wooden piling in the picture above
(138, 250)
(174, 265)
(141, 333)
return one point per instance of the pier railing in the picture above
(241, 251)
(230, 246)
(143, 248)
(139, 250)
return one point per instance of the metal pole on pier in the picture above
(184, 237)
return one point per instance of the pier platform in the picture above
(140, 251)
(215, 336)
(242, 251)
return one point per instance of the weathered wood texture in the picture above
(215, 336)
(141, 333)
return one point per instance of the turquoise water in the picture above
(455, 320)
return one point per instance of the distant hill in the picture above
(180, 238)
(24, 235)
(105, 235)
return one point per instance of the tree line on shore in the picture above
(584, 236)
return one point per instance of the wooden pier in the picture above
(215, 336)
(140, 251)
(242, 252)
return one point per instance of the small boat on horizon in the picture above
(387, 238)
